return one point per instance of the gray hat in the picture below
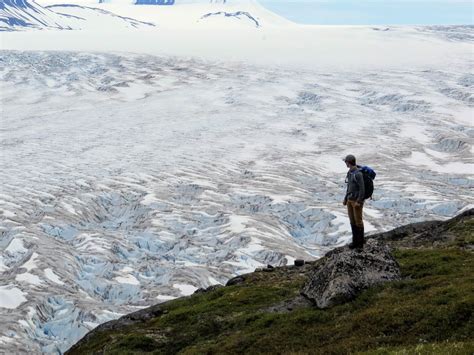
(350, 159)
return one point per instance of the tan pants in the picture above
(355, 213)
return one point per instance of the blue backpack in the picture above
(369, 175)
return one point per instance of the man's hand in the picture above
(344, 202)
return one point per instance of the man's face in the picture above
(347, 164)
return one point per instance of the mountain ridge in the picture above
(111, 15)
(27, 14)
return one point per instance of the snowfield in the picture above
(137, 169)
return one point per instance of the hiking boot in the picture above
(354, 237)
(359, 241)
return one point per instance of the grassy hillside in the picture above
(430, 311)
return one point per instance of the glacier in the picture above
(131, 179)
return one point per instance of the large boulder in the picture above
(344, 272)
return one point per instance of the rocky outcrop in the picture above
(344, 272)
(429, 233)
(207, 290)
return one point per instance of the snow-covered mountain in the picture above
(27, 14)
(191, 13)
(112, 15)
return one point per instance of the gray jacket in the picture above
(355, 186)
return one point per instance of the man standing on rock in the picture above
(354, 200)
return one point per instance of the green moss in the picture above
(451, 348)
(463, 233)
(135, 343)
